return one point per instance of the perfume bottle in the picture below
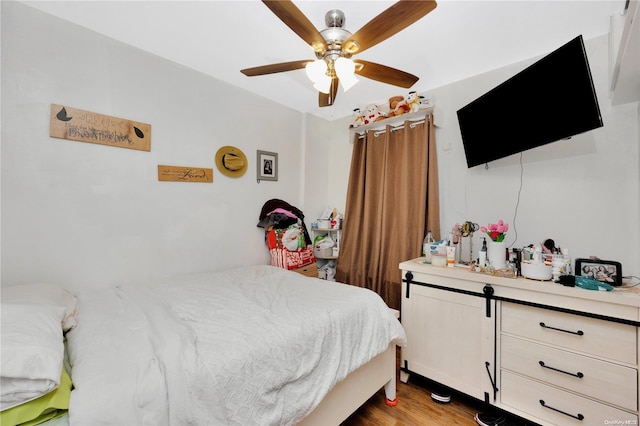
(482, 256)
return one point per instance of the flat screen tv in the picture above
(552, 99)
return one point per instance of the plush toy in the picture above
(373, 114)
(358, 118)
(424, 102)
(409, 104)
(413, 101)
(393, 103)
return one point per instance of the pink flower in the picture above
(496, 231)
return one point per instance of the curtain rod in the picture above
(422, 114)
(393, 129)
(398, 127)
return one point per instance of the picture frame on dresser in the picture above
(607, 271)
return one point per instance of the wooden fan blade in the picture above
(327, 99)
(385, 74)
(274, 68)
(297, 21)
(391, 21)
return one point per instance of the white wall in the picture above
(327, 163)
(584, 192)
(83, 214)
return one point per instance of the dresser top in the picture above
(525, 288)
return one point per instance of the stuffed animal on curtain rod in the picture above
(402, 105)
(413, 101)
(358, 118)
(397, 105)
(372, 114)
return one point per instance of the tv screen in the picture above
(552, 99)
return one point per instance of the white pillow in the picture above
(44, 294)
(31, 351)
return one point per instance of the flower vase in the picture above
(497, 254)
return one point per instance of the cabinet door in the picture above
(450, 339)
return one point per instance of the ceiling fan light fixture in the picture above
(323, 84)
(316, 70)
(345, 69)
(348, 83)
(351, 47)
(318, 46)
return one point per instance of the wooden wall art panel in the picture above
(184, 174)
(85, 126)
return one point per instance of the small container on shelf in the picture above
(324, 224)
(323, 252)
(439, 259)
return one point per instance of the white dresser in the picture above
(552, 354)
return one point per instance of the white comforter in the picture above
(257, 345)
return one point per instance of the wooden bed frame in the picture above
(348, 395)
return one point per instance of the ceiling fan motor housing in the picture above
(334, 18)
(334, 35)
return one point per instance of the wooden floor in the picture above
(415, 407)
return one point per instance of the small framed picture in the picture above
(267, 166)
(606, 271)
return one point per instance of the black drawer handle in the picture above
(578, 417)
(579, 332)
(578, 374)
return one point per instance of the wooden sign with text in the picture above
(84, 126)
(184, 174)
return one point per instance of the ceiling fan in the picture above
(334, 46)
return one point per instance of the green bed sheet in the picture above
(46, 407)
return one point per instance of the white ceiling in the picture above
(456, 40)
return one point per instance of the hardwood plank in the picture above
(415, 407)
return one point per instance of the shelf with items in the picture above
(391, 121)
(325, 252)
(334, 234)
(325, 236)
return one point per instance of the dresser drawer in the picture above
(606, 381)
(601, 338)
(557, 406)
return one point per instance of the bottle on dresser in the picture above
(482, 256)
(567, 262)
(426, 246)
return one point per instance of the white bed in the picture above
(256, 345)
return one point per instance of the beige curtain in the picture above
(392, 199)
